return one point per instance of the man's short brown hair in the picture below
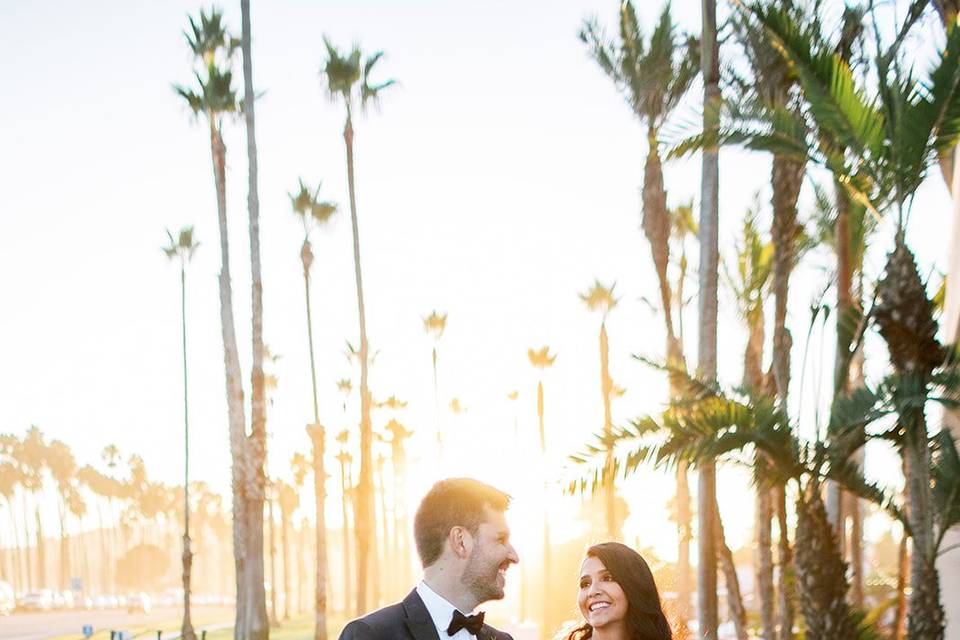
(450, 503)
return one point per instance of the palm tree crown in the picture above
(348, 76)
(308, 206)
(541, 357)
(182, 247)
(651, 76)
(600, 297)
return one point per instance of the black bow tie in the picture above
(470, 623)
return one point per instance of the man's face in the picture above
(490, 557)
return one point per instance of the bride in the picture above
(618, 597)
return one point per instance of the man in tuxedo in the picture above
(464, 545)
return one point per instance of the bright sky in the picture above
(498, 180)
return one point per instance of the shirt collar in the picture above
(439, 608)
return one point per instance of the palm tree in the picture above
(271, 497)
(313, 211)
(749, 283)
(9, 481)
(398, 461)
(63, 468)
(301, 467)
(707, 320)
(215, 98)
(256, 443)
(349, 81)
(600, 298)
(317, 435)
(288, 500)
(709, 423)
(653, 77)
(346, 491)
(434, 325)
(542, 360)
(32, 456)
(97, 483)
(182, 249)
(887, 154)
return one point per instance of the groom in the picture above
(464, 545)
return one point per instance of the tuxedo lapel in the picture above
(418, 619)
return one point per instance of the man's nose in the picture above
(512, 555)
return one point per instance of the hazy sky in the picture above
(500, 177)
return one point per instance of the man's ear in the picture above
(461, 542)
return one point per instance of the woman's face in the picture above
(602, 601)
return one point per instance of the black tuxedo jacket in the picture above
(407, 620)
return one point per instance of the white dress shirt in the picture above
(441, 612)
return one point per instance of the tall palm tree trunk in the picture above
(707, 348)
(365, 500)
(925, 618)
(786, 179)
(234, 388)
(28, 565)
(821, 573)
(318, 451)
(841, 373)
(186, 626)
(317, 439)
(256, 626)
(656, 228)
(786, 587)
(764, 563)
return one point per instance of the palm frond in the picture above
(945, 474)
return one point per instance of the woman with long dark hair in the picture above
(618, 597)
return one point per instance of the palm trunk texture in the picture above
(317, 436)
(186, 625)
(821, 574)
(707, 317)
(256, 624)
(364, 525)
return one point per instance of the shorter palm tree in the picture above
(313, 212)
(708, 424)
(435, 324)
(182, 250)
(600, 298)
(349, 81)
(542, 360)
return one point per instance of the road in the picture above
(39, 626)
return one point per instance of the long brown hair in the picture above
(645, 619)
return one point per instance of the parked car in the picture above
(138, 603)
(40, 600)
(7, 601)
